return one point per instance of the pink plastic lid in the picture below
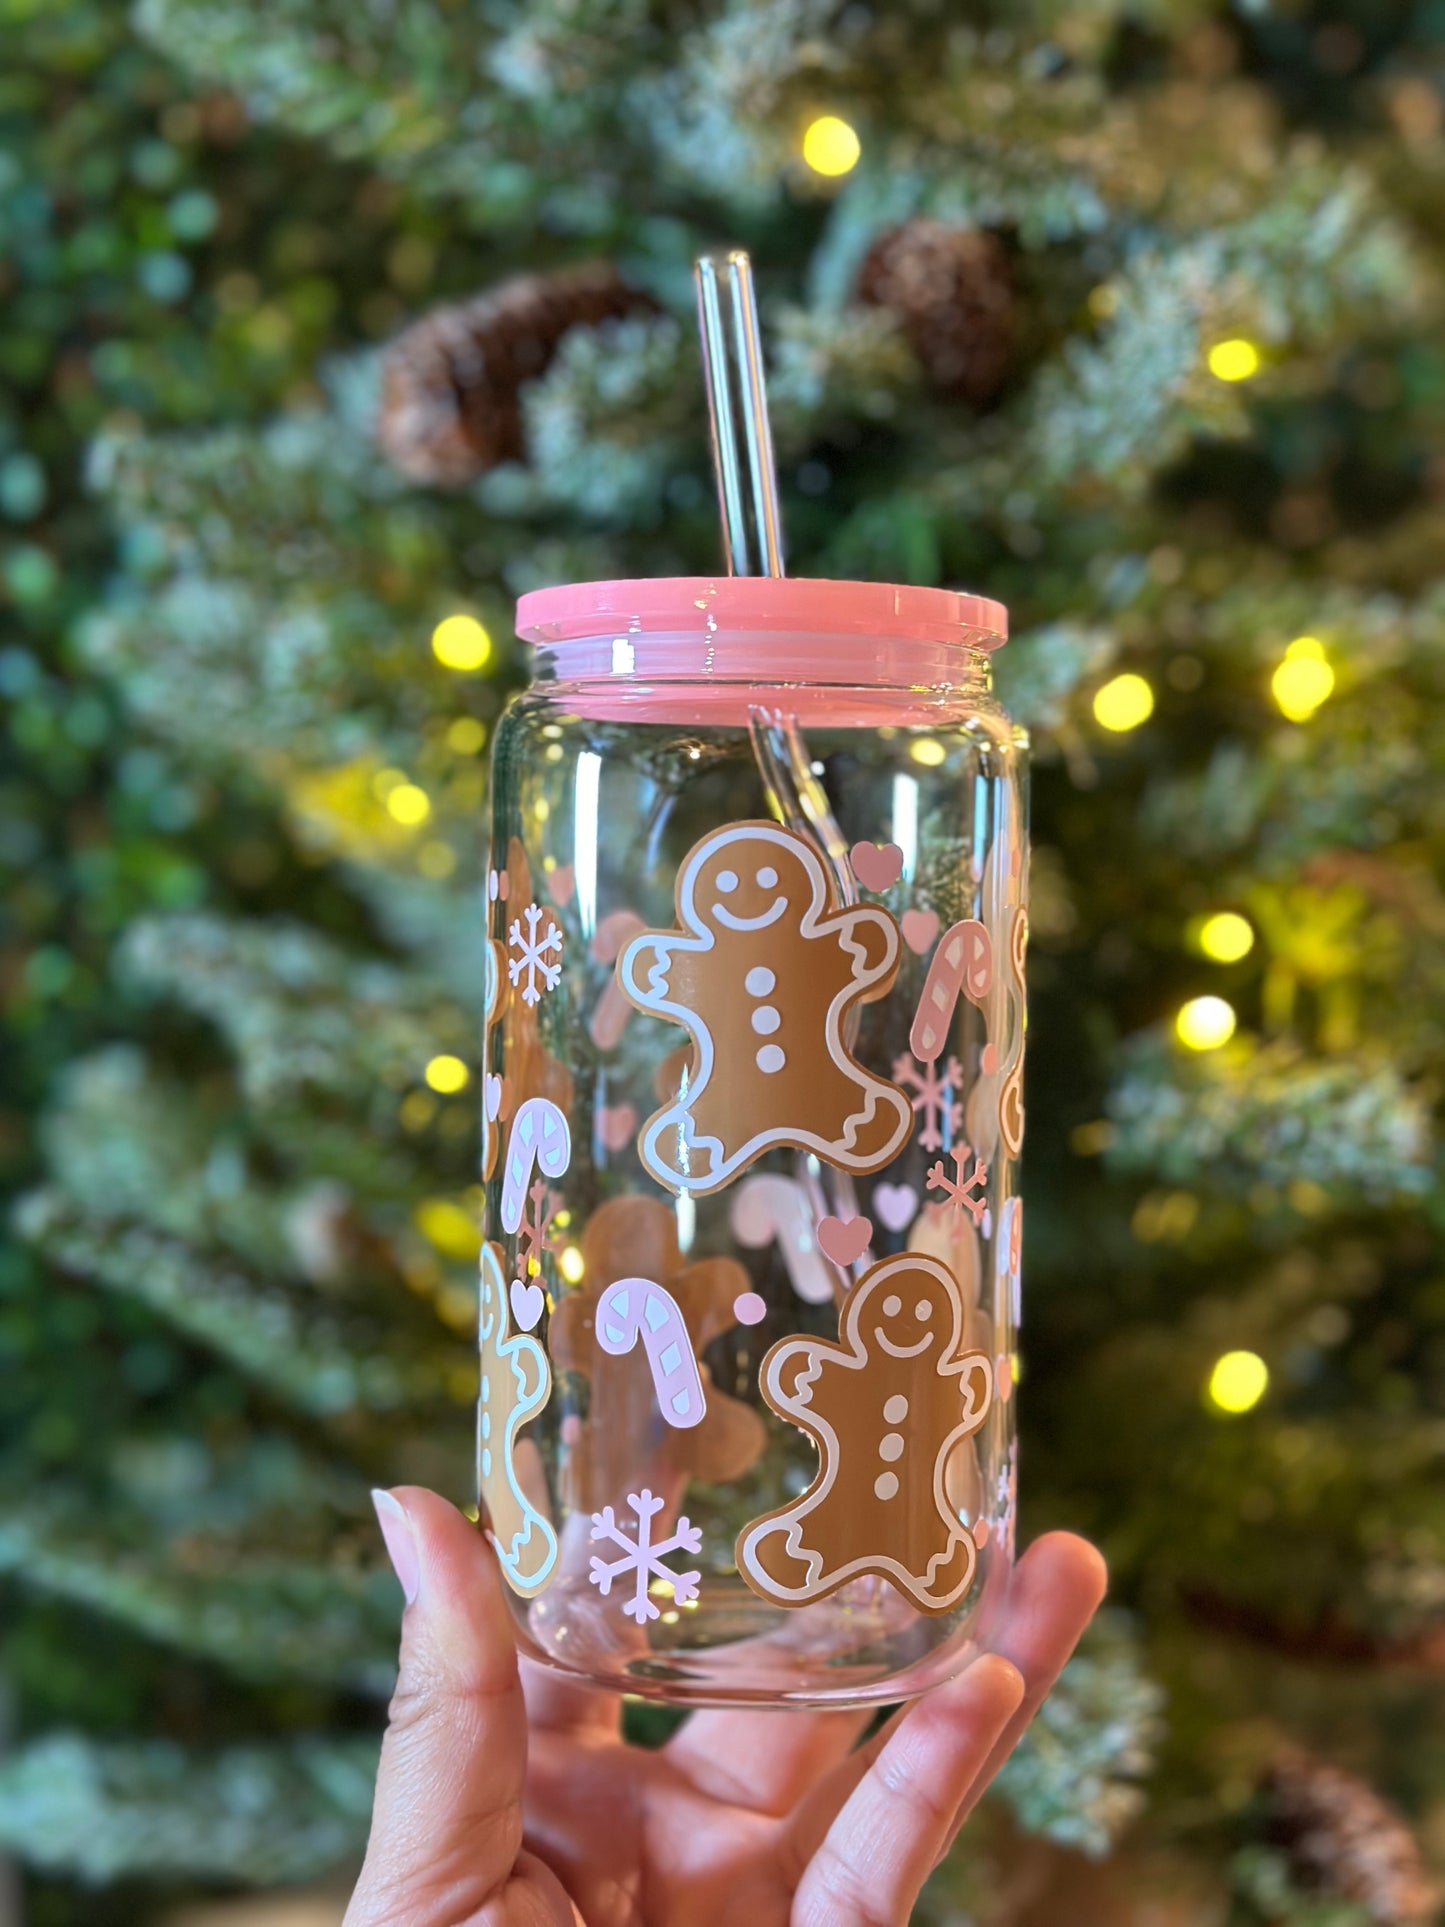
(715, 606)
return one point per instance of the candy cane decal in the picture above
(636, 1308)
(962, 964)
(768, 1206)
(539, 1136)
(612, 1011)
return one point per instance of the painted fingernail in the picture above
(396, 1531)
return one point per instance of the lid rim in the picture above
(738, 605)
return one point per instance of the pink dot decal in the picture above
(749, 1309)
(980, 1533)
(571, 1429)
(988, 1060)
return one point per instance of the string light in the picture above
(466, 735)
(449, 1227)
(408, 804)
(831, 147)
(447, 1074)
(1303, 680)
(1123, 703)
(1226, 936)
(1238, 1382)
(571, 1265)
(1205, 1023)
(928, 751)
(461, 642)
(1233, 360)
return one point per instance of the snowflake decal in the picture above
(642, 1556)
(541, 941)
(958, 1189)
(534, 1234)
(935, 1098)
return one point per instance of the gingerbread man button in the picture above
(763, 973)
(886, 1405)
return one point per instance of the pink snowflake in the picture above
(936, 1098)
(959, 1189)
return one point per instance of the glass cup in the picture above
(752, 1093)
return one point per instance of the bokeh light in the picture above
(1205, 1023)
(461, 642)
(1123, 703)
(1233, 360)
(571, 1265)
(1238, 1382)
(447, 1074)
(831, 147)
(408, 804)
(1226, 936)
(1303, 680)
(928, 751)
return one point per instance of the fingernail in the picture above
(400, 1541)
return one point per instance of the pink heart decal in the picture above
(919, 928)
(895, 1205)
(617, 1125)
(877, 869)
(528, 1303)
(561, 884)
(844, 1240)
(493, 1097)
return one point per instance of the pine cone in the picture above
(1345, 1843)
(952, 290)
(450, 404)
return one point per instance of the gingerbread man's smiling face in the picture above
(911, 1317)
(748, 881)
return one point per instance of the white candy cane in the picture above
(540, 1136)
(963, 962)
(636, 1308)
(768, 1207)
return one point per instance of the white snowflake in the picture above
(936, 1098)
(532, 952)
(958, 1189)
(641, 1557)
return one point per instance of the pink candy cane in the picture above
(962, 963)
(540, 1136)
(612, 1010)
(636, 1308)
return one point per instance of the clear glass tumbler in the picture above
(752, 1090)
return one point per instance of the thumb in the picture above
(446, 1827)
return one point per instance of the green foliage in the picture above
(240, 1292)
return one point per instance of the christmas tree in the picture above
(334, 329)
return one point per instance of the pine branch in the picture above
(258, 1615)
(317, 1361)
(1268, 1114)
(1075, 1777)
(102, 1812)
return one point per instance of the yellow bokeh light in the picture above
(1123, 703)
(448, 1226)
(1226, 936)
(447, 1074)
(928, 751)
(466, 735)
(461, 642)
(831, 147)
(1238, 1381)
(1303, 680)
(1205, 1023)
(1234, 360)
(408, 804)
(436, 859)
(571, 1265)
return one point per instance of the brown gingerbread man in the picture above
(626, 1436)
(764, 972)
(886, 1404)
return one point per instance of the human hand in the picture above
(507, 1797)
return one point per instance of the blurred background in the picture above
(328, 327)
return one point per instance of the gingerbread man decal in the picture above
(515, 1382)
(886, 1405)
(763, 974)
